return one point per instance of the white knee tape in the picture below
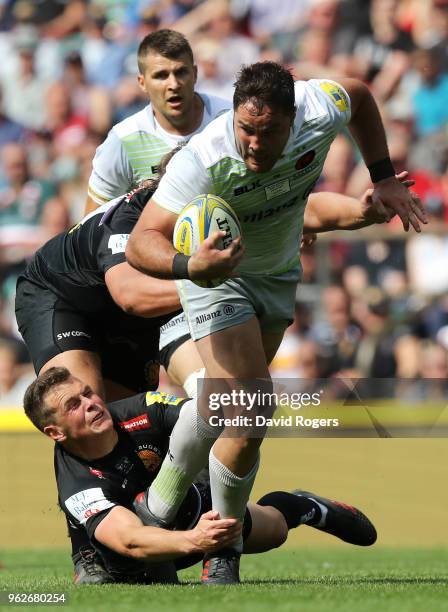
(191, 382)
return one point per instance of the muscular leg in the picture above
(184, 362)
(237, 353)
(269, 529)
(240, 352)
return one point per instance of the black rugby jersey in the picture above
(87, 490)
(73, 264)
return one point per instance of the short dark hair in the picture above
(168, 43)
(34, 399)
(265, 83)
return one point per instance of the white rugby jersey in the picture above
(134, 147)
(270, 205)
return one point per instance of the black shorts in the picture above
(127, 345)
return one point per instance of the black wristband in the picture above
(180, 266)
(381, 170)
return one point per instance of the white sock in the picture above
(191, 382)
(190, 443)
(230, 493)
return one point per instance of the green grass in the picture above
(346, 579)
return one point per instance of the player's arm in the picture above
(326, 211)
(122, 531)
(111, 174)
(368, 131)
(140, 294)
(149, 248)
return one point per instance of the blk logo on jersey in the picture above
(124, 465)
(139, 422)
(305, 160)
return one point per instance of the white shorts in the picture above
(175, 328)
(270, 298)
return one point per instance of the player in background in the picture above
(105, 455)
(134, 148)
(263, 159)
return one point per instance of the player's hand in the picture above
(391, 196)
(210, 262)
(374, 215)
(212, 533)
(307, 240)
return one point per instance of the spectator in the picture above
(375, 353)
(10, 131)
(22, 202)
(23, 90)
(336, 334)
(14, 379)
(88, 101)
(430, 107)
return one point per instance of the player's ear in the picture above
(141, 82)
(195, 73)
(55, 433)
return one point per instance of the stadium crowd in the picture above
(372, 306)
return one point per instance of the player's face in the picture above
(169, 84)
(261, 135)
(79, 412)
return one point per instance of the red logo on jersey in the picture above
(305, 160)
(138, 422)
(92, 512)
(95, 472)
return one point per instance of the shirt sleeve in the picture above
(334, 98)
(164, 409)
(111, 250)
(185, 178)
(88, 507)
(112, 174)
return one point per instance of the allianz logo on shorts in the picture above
(72, 334)
(227, 310)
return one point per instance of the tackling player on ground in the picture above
(105, 455)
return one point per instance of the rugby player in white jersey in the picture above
(134, 148)
(264, 159)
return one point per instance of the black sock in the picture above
(297, 509)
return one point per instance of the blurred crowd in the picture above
(374, 306)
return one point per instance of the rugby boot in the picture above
(141, 509)
(343, 521)
(222, 567)
(89, 568)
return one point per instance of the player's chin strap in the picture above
(191, 382)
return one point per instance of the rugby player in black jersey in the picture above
(105, 455)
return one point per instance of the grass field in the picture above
(333, 580)
(400, 484)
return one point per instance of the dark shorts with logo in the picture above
(128, 346)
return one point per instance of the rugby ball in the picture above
(200, 218)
